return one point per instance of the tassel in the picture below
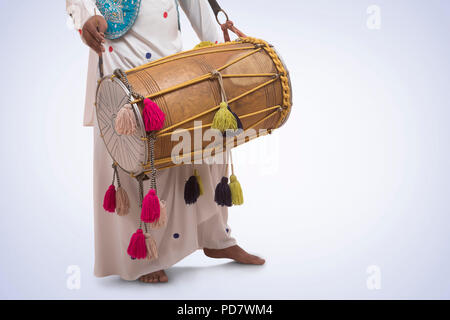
(204, 44)
(153, 116)
(199, 181)
(125, 121)
(237, 197)
(191, 190)
(122, 202)
(162, 221)
(223, 119)
(222, 195)
(150, 207)
(238, 120)
(152, 251)
(137, 249)
(109, 201)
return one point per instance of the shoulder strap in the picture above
(227, 25)
(215, 7)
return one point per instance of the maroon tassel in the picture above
(150, 207)
(109, 201)
(153, 116)
(137, 249)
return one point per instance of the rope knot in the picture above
(215, 73)
(227, 25)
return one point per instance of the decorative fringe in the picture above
(109, 201)
(137, 249)
(204, 44)
(152, 251)
(162, 221)
(222, 196)
(125, 120)
(153, 116)
(150, 207)
(223, 119)
(199, 181)
(191, 190)
(237, 197)
(122, 202)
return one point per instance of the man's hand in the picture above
(93, 33)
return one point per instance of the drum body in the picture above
(186, 88)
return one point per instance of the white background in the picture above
(357, 177)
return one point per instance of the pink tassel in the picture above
(153, 116)
(161, 222)
(109, 201)
(150, 207)
(137, 249)
(152, 251)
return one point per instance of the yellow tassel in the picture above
(199, 181)
(237, 196)
(204, 44)
(224, 119)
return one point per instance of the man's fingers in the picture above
(102, 25)
(95, 34)
(93, 43)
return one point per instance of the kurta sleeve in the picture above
(202, 20)
(81, 11)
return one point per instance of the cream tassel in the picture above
(162, 221)
(122, 202)
(126, 121)
(152, 251)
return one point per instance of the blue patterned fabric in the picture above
(119, 14)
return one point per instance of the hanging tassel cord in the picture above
(151, 145)
(123, 77)
(141, 199)
(231, 162)
(116, 175)
(216, 74)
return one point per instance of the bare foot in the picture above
(157, 276)
(236, 253)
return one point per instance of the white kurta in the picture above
(155, 34)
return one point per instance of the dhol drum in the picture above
(188, 87)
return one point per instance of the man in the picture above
(140, 31)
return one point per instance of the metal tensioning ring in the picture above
(217, 16)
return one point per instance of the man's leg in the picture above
(215, 239)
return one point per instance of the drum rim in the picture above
(290, 86)
(139, 119)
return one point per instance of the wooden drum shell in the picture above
(245, 65)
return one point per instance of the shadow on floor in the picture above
(185, 274)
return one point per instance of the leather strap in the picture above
(228, 25)
(215, 7)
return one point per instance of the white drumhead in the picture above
(129, 151)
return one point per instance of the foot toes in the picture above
(154, 277)
(163, 277)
